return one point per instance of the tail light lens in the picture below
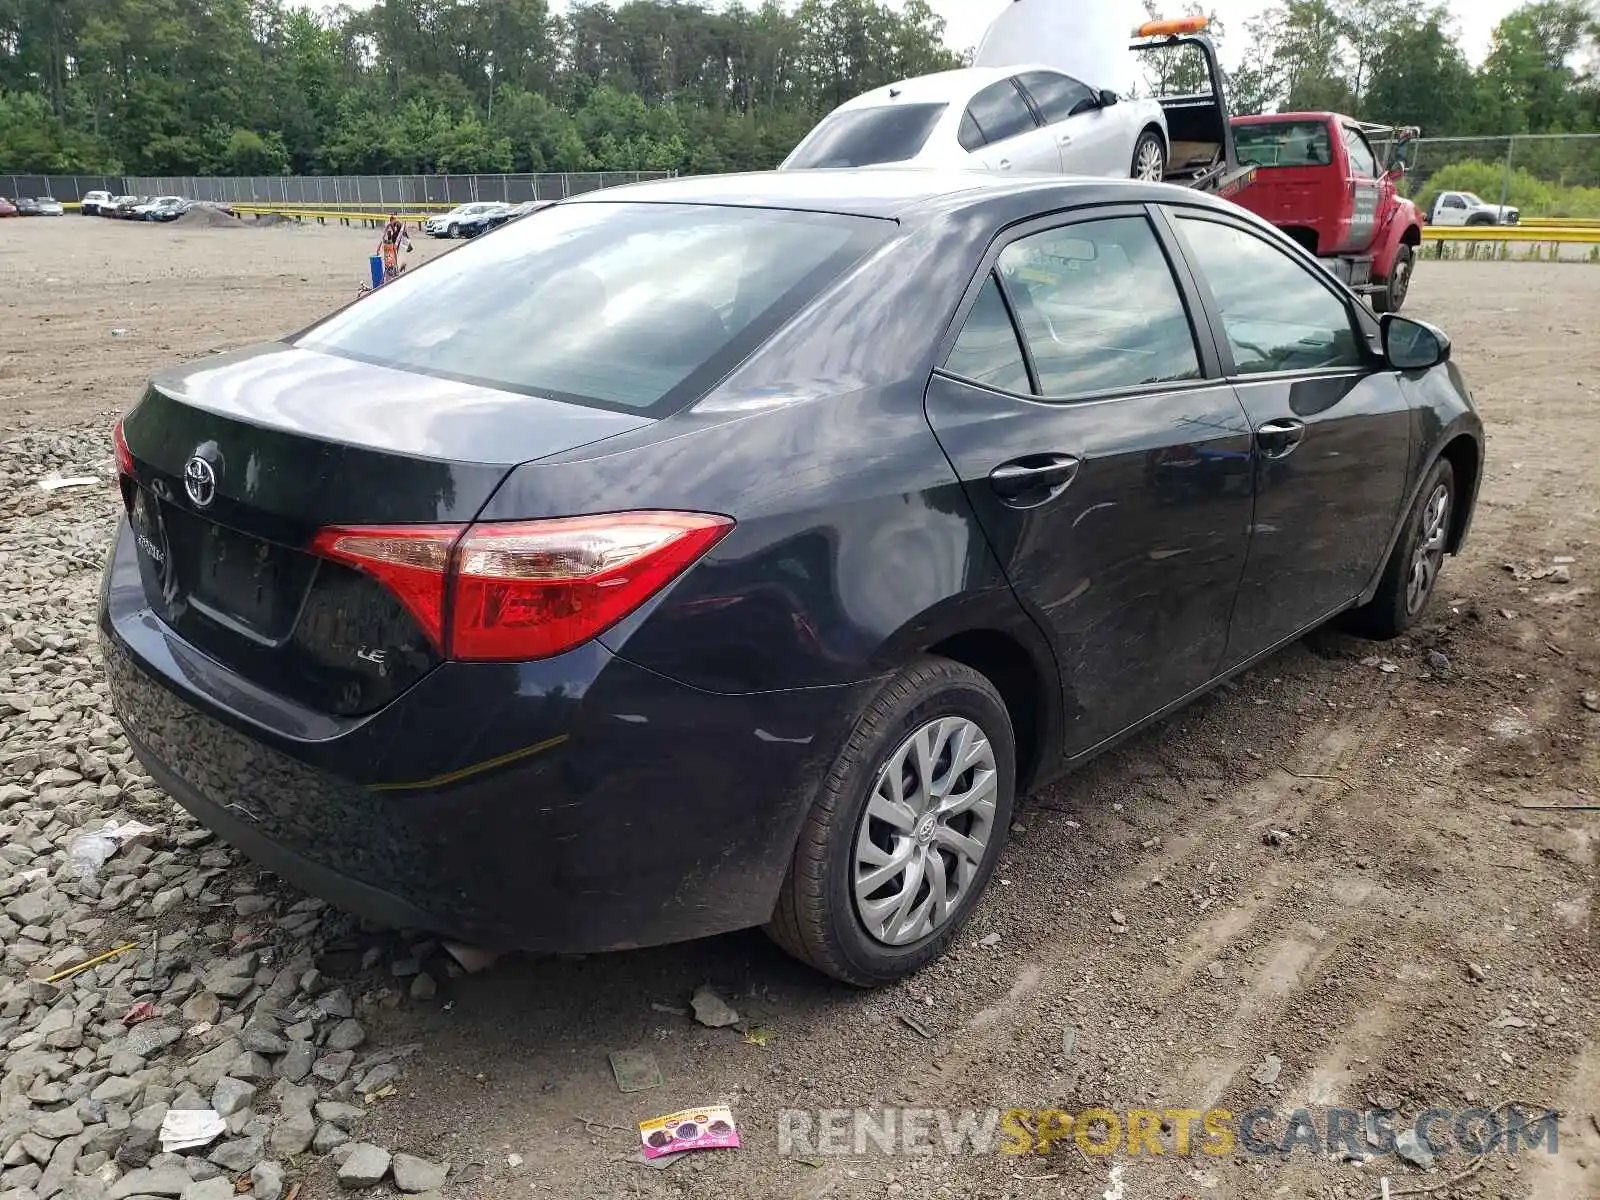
(516, 591)
(124, 455)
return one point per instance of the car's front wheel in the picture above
(453, 232)
(905, 830)
(1412, 572)
(1392, 295)
(1149, 158)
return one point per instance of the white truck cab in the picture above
(1465, 208)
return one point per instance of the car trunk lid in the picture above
(239, 461)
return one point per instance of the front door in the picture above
(1090, 139)
(1106, 459)
(1332, 426)
(1364, 184)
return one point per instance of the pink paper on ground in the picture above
(709, 1128)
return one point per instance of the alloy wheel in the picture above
(925, 831)
(1149, 166)
(1429, 554)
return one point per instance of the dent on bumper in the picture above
(578, 804)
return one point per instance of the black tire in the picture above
(1148, 150)
(1395, 289)
(816, 918)
(1394, 608)
(1480, 219)
(453, 232)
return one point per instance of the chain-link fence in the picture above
(1543, 175)
(366, 191)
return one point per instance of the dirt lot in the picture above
(1424, 936)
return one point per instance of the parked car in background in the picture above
(482, 222)
(522, 210)
(93, 202)
(7, 209)
(49, 206)
(162, 208)
(121, 207)
(734, 550)
(1464, 208)
(26, 206)
(450, 224)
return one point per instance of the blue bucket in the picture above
(376, 263)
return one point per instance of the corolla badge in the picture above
(200, 482)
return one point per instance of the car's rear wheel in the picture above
(904, 833)
(1412, 572)
(1149, 158)
(1392, 295)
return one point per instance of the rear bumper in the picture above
(576, 804)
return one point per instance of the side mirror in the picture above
(1413, 345)
(1106, 97)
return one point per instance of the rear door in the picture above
(1107, 460)
(1090, 138)
(1363, 184)
(1003, 133)
(1332, 425)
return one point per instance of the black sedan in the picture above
(733, 551)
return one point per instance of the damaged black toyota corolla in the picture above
(734, 551)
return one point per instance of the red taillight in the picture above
(526, 589)
(124, 455)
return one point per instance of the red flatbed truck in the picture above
(1318, 179)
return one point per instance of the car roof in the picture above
(890, 193)
(942, 87)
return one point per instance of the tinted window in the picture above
(1361, 155)
(861, 137)
(632, 306)
(1000, 112)
(1454, 202)
(1278, 316)
(987, 351)
(1283, 143)
(1056, 95)
(970, 136)
(1099, 307)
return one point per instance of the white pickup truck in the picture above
(1464, 208)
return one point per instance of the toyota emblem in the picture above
(200, 482)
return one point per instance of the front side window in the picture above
(1057, 96)
(1277, 315)
(864, 137)
(1000, 112)
(1361, 155)
(1283, 143)
(987, 350)
(629, 306)
(1099, 308)
(1454, 202)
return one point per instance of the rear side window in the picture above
(1056, 96)
(638, 307)
(1099, 308)
(1283, 143)
(863, 137)
(1276, 314)
(1000, 112)
(987, 350)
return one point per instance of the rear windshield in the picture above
(864, 137)
(637, 307)
(1283, 144)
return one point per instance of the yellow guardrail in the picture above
(1512, 233)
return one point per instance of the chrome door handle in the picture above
(1279, 439)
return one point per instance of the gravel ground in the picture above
(1321, 885)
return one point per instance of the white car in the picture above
(1464, 208)
(449, 224)
(90, 204)
(1022, 119)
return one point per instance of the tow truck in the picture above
(1201, 152)
(1320, 181)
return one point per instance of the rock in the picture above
(117, 1089)
(412, 1174)
(262, 1039)
(1117, 918)
(346, 1035)
(292, 1133)
(202, 1008)
(378, 1078)
(1412, 1149)
(364, 1167)
(58, 1125)
(334, 1067)
(150, 1181)
(989, 941)
(239, 1155)
(423, 987)
(342, 1115)
(295, 1065)
(251, 1066)
(228, 985)
(207, 1070)
(231, 1095)
(29, 909)
(266, 1180)
(1275, 837)
(711, 1009)
(211, 1189)
(1591, 701)
(1476, 973)
(1438, 661)
(328, 1137)
(1269, 1070)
